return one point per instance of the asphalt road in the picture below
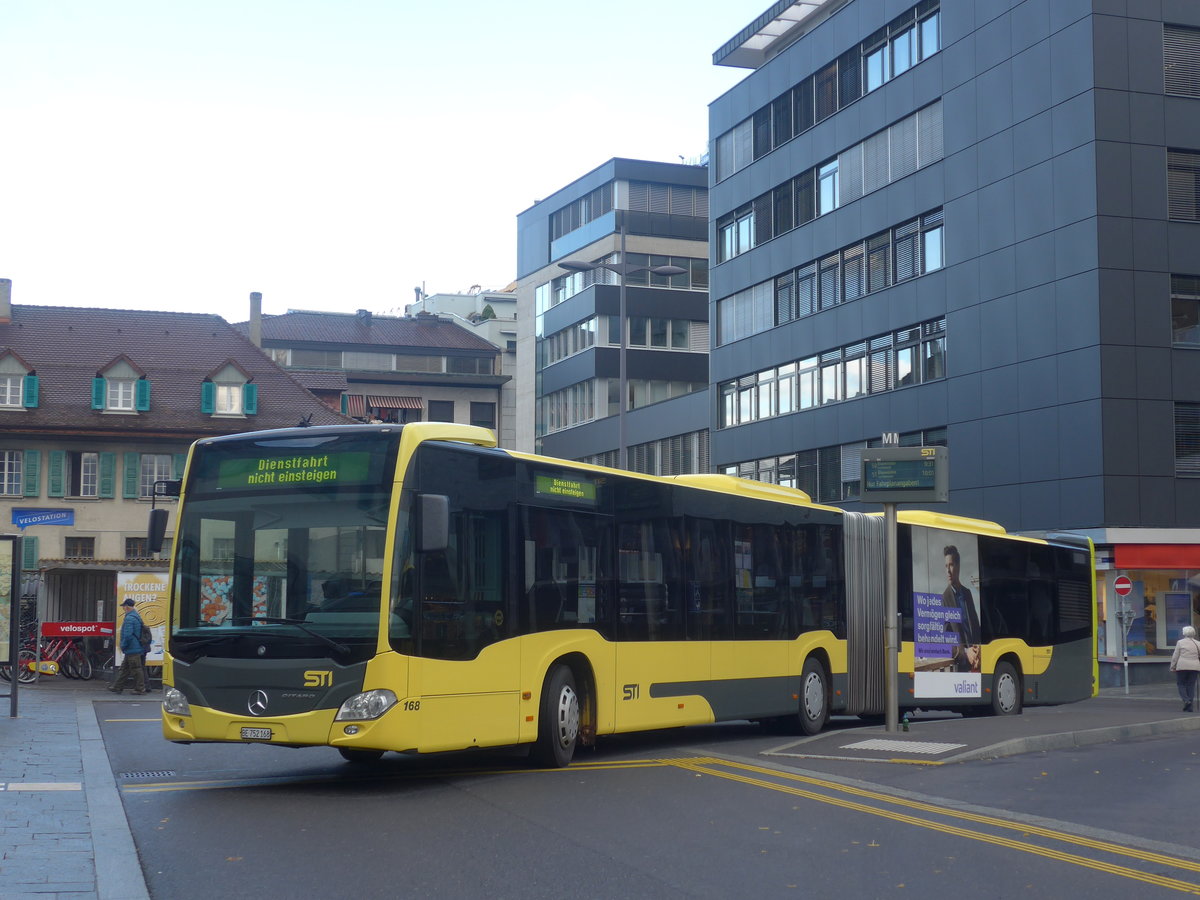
(689, 813)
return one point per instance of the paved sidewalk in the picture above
(63, 831)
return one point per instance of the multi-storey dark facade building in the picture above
(570, 319)
(972, 223)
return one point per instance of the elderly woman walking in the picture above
(1185, 663)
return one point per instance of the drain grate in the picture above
(161, 773)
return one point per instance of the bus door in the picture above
(661, 676)
(753, 661)
(464, 674)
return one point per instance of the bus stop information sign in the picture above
(905, 475)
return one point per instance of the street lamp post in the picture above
(623, 269)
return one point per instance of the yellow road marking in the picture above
(702, 766)
(714, 767)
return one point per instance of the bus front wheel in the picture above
(814, 697)
(360, 756)
(1006, 690)
(558, 725)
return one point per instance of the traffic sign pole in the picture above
(1122, 587)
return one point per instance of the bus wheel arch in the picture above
(1007, 687)
(566, 710)
(813, 703)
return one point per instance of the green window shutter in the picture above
(99, 389)
(29, 553)
(133, 466)
(250, 399)
(178, 463)
(108, 475)
(208, 397)
(32, 471)
(56, 482)
(345, 405)
(29, 387)
(142, 399)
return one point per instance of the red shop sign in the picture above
(77, 629)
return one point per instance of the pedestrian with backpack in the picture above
(133, 665)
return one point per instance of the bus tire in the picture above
(1006, 690)
(558, 724)
(349, 754)
(814, 697)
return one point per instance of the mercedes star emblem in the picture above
(257, 704)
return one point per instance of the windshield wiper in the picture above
(303, 626)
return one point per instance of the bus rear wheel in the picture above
(360, 756)
(1006, 691)
(558, 724)
(814, 697)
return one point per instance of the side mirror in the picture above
(435, 523)
(157, 530)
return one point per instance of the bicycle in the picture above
(72, 661)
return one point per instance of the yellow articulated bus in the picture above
(414, 588)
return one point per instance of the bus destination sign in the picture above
(565, 487)
(905, 475)
(293, 470)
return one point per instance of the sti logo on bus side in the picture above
(318, 678)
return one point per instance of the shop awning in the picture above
(355, 405)
(395, 402)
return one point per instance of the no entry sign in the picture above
(1122, 585)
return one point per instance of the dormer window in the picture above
(18, 383)
(120, 393)
(229, 400)
(228, 391)
(121, 387)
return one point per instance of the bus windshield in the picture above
(298, 563)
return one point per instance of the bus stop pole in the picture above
(891, 614)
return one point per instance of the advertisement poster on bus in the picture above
(148, 590)
(946, 614)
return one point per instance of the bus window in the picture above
(564, 570)
(709, 579)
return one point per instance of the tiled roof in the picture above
(420, 332)
(320, 379)
(67, 347)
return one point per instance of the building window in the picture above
(316, 359)
(911, 37)
(909, 356)
(137, 548)
(83, 474)
(10, 390)
(911, 249)
(153, 467)
(483, 414)
(80, 548)
(1187, 440)
(827, 187)
(1181, 60)
(228, 400)
(10, 472)
(441, 410)
(1183, 185)
(120, 393)
(1185, 310)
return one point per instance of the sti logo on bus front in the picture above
(318, 678)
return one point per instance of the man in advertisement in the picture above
(966, 629)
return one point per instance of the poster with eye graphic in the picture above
(946, 635)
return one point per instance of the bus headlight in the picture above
(367, 705)
(175, 703)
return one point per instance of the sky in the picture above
(330, 154)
